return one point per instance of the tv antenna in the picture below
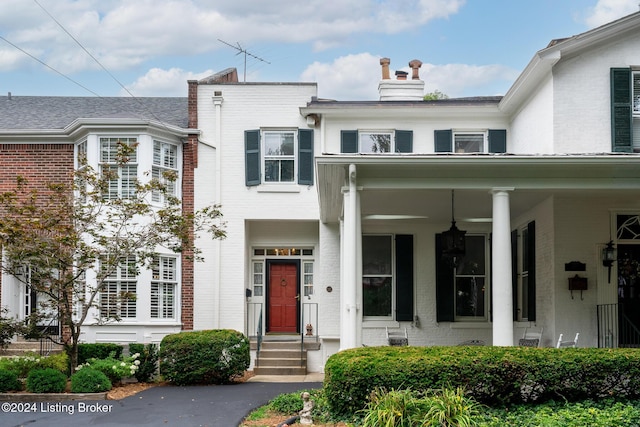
(240, 50)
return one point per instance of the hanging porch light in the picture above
(453, 241)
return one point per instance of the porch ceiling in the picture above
(420, 185)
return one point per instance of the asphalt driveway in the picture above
(207, 406)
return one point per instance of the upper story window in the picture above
(278, 156)
(164, 169)
(469, 142)
(460, 141)
(122, 177)
(625, 110)
(376, 142)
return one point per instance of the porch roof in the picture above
(412, 185)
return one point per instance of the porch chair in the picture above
(397, 337)
(531, 338)
(566, 344)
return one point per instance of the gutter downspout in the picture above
(217, 261)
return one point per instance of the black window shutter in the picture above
(404, 141)
(252, 157)
(532, 270)
(621, 112)
(305, 156)
(349, 141)
(444, 285)
(514, 272)
(443, 141)
(497, 140)
(404, 277)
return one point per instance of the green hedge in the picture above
(98, 351)
(46, 381)
(204, 357)
(491, 375)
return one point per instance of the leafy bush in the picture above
(89, 380)
(204, 357)
(148, 361)
(601, 413)
(9, 327)
(22, 365)
(46, 381)
(491, 375)
(9, 381)
(408, 408)
(98, 351)
(114, 369)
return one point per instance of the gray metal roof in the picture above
(57, 112)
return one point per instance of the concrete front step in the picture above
(21, 347)
(280, 370)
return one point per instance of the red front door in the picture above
(283, 297)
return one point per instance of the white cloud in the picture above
(356, 77)
(609, 10)
(159, 82)
(122, 33)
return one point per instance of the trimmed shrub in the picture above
(22, 365)
(148, 357)
(88, 380)
(9, 381)
(98, 351)
(114, 369)
(46, 381)
(491, 375)
(204, 357)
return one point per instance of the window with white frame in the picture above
(164, 169)
(279, 156)
(469, 142)
(258, 278)
(375, 142)
(307, 272)
(377, 275)
(123, 176)
(163, 287)
(118, 296)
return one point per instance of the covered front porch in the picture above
(525, 217)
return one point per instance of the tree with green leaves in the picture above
(435, 96)
(72, 237)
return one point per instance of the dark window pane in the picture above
(473, 260)
(376, 255)
(376, 296)
(286, 170)
(271, 170)
(470, 296)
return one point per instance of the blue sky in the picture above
(152, 47)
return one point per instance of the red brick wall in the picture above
(189, 163)
(39, 164)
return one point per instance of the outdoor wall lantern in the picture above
(453, 241)
(608, 257)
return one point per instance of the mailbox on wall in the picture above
(577, 283)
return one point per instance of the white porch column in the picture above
(350, 259)
(502, 292)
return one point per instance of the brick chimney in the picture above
(401, 89)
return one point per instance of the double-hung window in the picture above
(462, 141)
(462, 284)
(376, 141)
(279, 156)
(164, 169)
(469, 142)
(163, 287)
(387, 276)
(118, 296)
(122, 175)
